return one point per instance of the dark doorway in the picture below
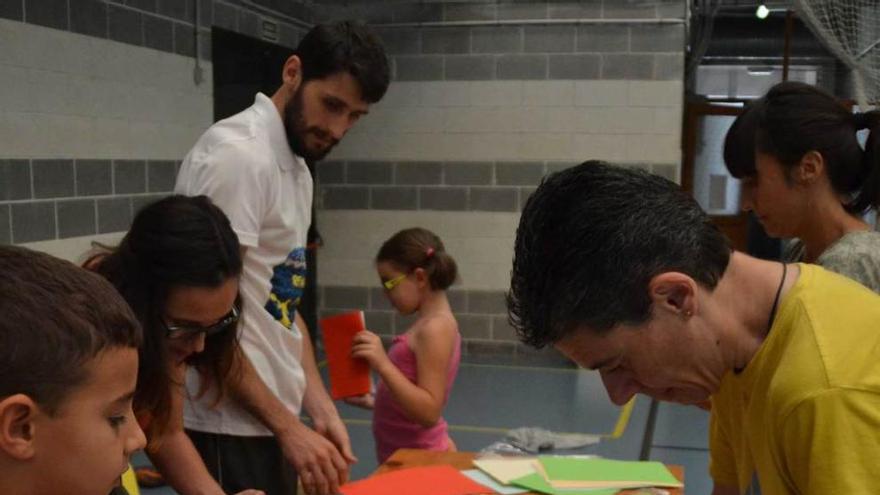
(244, 66)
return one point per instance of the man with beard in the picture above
(253, 166)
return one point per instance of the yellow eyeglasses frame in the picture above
(394, 282)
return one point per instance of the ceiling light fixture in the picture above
(762, 11)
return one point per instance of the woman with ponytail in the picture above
(806, 177)
(419, 369)
(178, 268)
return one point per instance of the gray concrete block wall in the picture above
(431, 54)
(93, 177)
(479, 313)
(129, 176)
(587, 51)
(481, 316)
(5, 227)
(46, 199)
(441, 186)
(527, 50)
(32, 221)
(60, 198)
(165, 25)
(70, 197)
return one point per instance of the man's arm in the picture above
(320, 466)
(317, 461)
(317, 401)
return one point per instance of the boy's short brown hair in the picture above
(54, 318)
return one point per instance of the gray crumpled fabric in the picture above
(532, 439)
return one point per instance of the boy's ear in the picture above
(17, 426)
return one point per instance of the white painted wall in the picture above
(480, 242)
(74, 249)
(622, 121)
(66, 95)
(568, 121)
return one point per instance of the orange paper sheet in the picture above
(348, 376)
(430, 480)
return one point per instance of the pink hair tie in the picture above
(429, 252)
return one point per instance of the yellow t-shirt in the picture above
(805, 413)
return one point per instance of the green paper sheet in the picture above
(536, 483)
(562, 469)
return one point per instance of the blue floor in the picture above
(490, 397)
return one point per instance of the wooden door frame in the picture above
(734, 226)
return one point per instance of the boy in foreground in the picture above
(68, 367)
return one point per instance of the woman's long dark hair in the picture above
(176, 241)
(793, 119)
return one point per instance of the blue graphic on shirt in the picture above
(288, 283)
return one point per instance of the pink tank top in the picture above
(391, 428)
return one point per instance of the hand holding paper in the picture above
(365, 401)
(368, 346)
(348, 376)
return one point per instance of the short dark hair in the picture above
(54, 319)
(589, 241)
(793, 119)
(346, 46)
(177, 241)
(420, 248)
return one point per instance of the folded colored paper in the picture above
(487, 481)
(536, 483)
(571, 472)
(430, 480)
(348, 376)
(506, 469)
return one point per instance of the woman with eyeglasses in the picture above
(178, 268)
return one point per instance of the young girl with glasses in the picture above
(419, 369)
(178, 268)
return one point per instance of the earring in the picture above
(687, 313)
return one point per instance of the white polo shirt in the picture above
(245, 165)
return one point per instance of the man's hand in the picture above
(251, 492)
(319, 464)
(332, 428)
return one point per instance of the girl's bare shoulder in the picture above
(435, 326)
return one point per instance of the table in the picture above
(408, 458)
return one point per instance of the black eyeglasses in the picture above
(190, 331)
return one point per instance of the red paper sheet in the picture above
(348, 376)
(430, 480)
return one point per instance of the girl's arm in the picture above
(177, 458)
(433, 344)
